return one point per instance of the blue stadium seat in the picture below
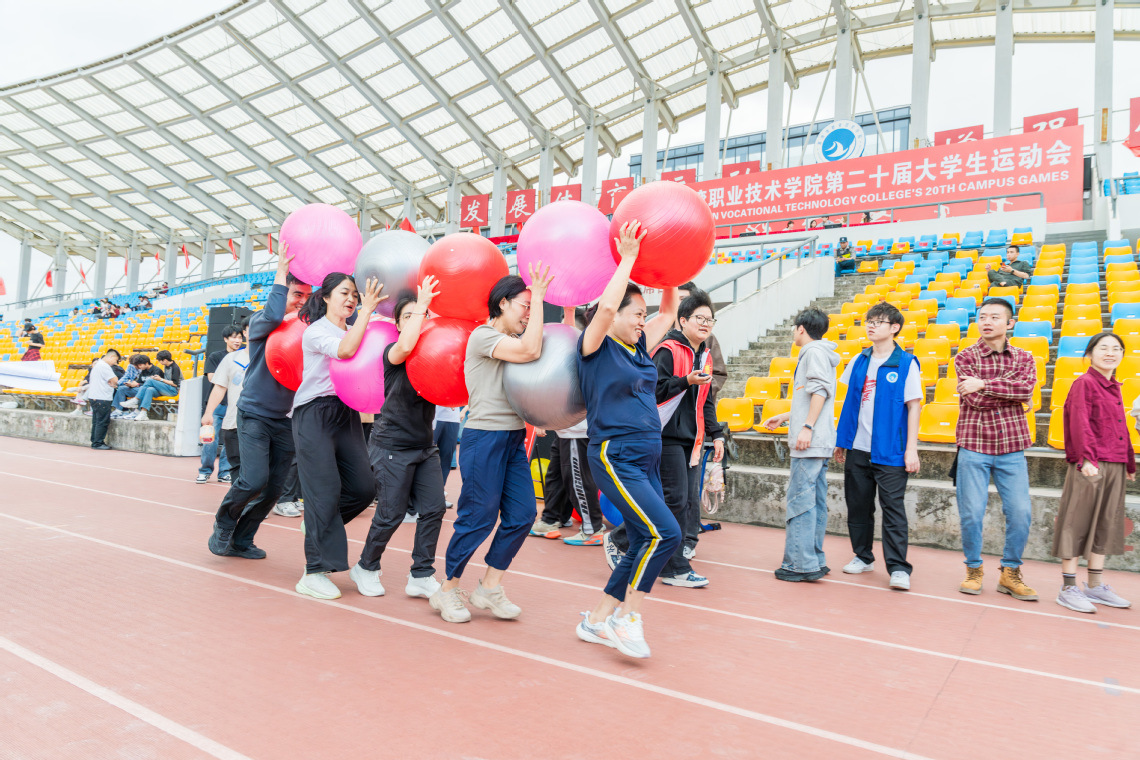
(938, 295)
(967, 304)
(996, 238)
(912, 257)
(1125, 311)
(973, 239)
(1119, 258)
(947, 244)
(941, 256)
(1034, 330)
(1045, 279)
(958, 317)
(924, 246)
(922, 279)
(1084, 277)
(1071, 345)
(1117, 244)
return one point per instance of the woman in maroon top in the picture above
(1090, 522)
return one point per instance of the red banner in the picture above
(745, 167)
(520, 205)
(566, 193)
(613, 190)
(960, 135)
(1054, 120)
(1048, 163)
(473, 210)
(684, 176)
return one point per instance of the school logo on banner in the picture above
(841, 140)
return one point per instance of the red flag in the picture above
(126, 265)
(47, 280)
(82, 275)
(407, 225)
(3, 290)
(270, 237)
(187, 255)
(232, 251)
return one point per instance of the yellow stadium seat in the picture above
(1046, 271)
(900, 301)
(1118, 249)
(1085, 328)
(1074, 311)
(840, 392)
(1081, 287)
(918, 318)
(1051, 247)
(937, 423)
(868, 298)
(966, 342)
(860, 334)
(907, 336)
(1120, 287)
(929, 305)
(1126, 327)
(946, 391)
(1037, 313)
(1070, 367)
(1121, 296)
(1131, 345)
(977, 293)
(1083, 299)
(842, 321)
(760, 389)
(1131, 275)
(935, 348)
(1021, 238)
(736, 412)
(888, 279)
(900, 247)
(1134, 436)
(882, 291)
(989, 259)
(782, 367)
(973, 332)
(1043, 290)
(858, 309)
(1060, 392)
(945, 286)
(868, 244)
(1128, 368)
(772, 407)
(1119, 266)
(954, 277)
(952, 333)
(968, 253)
(1129, 391)
(904, 266)
(867, 267)
(847, 350)
(952, 236)
(909, 287)
(1057, 429)
(1037, 345)
(1008, 291)
(1051, 262)
(1031, 419)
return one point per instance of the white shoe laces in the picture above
(454, 599)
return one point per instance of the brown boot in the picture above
(973, 582)
(1012, 584)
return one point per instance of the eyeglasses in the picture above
(705, 321)
(876, 323)
(524, 304)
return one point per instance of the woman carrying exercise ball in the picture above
(332, 455)
(497, 484)
(619, 382)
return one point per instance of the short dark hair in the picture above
(692, 302)
(315, 307)
(998, 302)
(1098, 338)
(814, 322)
(402, 303)
(884, 310)
(689, 286)
(164, 356)
(631, 290)
(139, 359)
(229, 330)
(1014, 247)
(508, 287)
(290, 279)
(244, 324)
(118, 356)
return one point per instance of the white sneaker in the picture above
(142, 416)
(131, 403)
(286, 509)
(202, 478)
(450, 605)
(689, 552)
(592, 633)
(627, 634)
(900, 579)
(857, 566)
(495, 600)
(318, 586)
(423, 587)
(367, 581)
(410, 518)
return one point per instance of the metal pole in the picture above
(1003, 68)
(208, 255)
(590, 163)
(100, 274)
(25, 276)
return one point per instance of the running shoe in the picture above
(318, 586)
(131, 403)
(593, 633)
(627, 634)
(856, 566)
(421, 587)
(613, 556)
(202, 478)
(450, 605)
(286, 509)
(583, 539)
(367, 581)
(1103, 594)
(225, 478)
(546, 530)
(495, 600)
(1071, 598)
(249, 552)
(900, 580)
(220, 540)
(686, 580)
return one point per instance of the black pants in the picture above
(446, 436)
(336, 478)
(681, 485)
(861, 479)
(292, 490)
(100, 420)
(570, 485)
(267, 449)
(408, 479)
(233, 451)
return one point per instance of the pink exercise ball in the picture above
(435, 366)
(359, 381)
(467, 267)
(680, 233)
(322, 239)
(573, 239)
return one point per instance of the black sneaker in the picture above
(794, 577)
(250, 552)
(220, 541)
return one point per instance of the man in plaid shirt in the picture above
(995, 386)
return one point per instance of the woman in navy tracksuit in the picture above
(619, 381)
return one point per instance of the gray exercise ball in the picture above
(392, 257)
(545, 392)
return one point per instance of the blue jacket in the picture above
(889, 428)
(261, 394)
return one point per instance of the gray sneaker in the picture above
(1103, 594)
(286, 509)
(1072, 598)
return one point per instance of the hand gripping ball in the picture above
(680, 233)
(435, 366)
(359, 381)
(322, 239)
(573, 239)
(393, 257)
(283, 354)
(545, 392)
(467, 267)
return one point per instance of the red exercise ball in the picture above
(467, 267)
(680, 233)
(283, 354)
(435, 366)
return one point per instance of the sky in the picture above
(62, 34)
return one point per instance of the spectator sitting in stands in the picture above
(137, 373)
(28, 328)
(75, 312)
(162, 289)
(144, 303)
(844, 257)
(1012, 272)
(153, 386)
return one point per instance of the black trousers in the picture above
(407, 479)
(292, 489)
(233, 451)
(861, 480)
(267, 449)
(100, 420)
(336, 478)
(446, 436)
(570, 485)
(681, 485)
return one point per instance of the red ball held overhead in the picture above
(680, 233)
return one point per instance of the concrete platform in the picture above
(150, 437)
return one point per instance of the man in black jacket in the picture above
(167, 385)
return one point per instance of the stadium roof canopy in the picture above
(231, 123)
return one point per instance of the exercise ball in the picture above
(283, 354)
(545, 392)
(609, 511)
(573, 239)
(322, 239)
(679, 238)
(393, 257)
(467, 267)
(359, 381)
(435, 366)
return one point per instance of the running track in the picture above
(123, 636)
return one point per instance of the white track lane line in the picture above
(570, 666)
(684, 605)
(161, 722)
(917, 594)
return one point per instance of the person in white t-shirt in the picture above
(227, 380)
(101, 385)
(332, 455)
(445, 432)
(877, 438)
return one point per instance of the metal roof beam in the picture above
(35, 225)
(96, 216)
(61, 216)
(707, 49)
(776, 40)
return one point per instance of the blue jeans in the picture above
(210, 451)
(807, 515)
(1011, 477)
(122, 393)
(154, 387)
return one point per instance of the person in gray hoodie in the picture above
(811, 440)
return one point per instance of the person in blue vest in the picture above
(877, 438)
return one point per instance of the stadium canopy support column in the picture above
(170, 262)
(844, 71)
(59, 269)
(545, 174)
(452, 207)
(1102, 92)
(133, 266)
(1003, 68)
(590, 163)
(100, 287)
(710, 168)
(207, 269)
(409, 210)
(245, 257)
(364, 216)
(920, 75)
(25, 277)
(499, 202)
(649, 142)
(774, 137)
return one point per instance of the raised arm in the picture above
(628, 245)
(528, 347)
(368, 303)
(664, 319)
(410, 331)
